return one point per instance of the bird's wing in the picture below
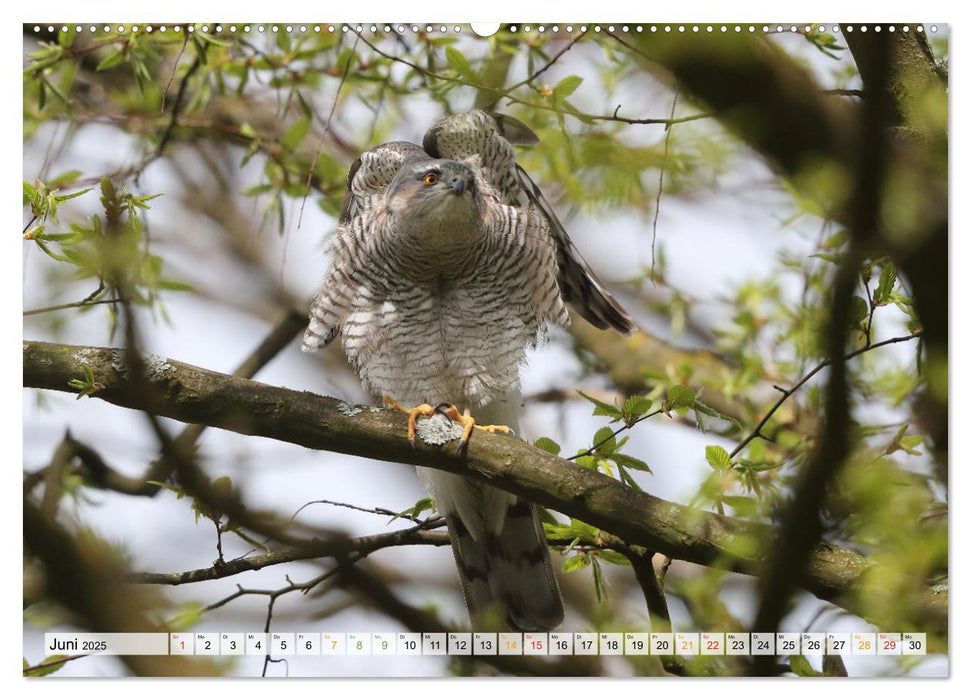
(345, 287)
(485, 141)
(372, 172)
(580, 287)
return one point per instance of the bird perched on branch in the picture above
(447, 265)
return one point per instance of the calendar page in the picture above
(657, 311)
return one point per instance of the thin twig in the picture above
(72, 305)
(526, 103)
(626, 426)
(326, 130)
(55, 662)
(548, 64)
(786, 393)
(660, 184)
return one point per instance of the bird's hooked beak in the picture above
(459, 185)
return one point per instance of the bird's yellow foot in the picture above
(446, 409)
(413, 413)
(468, 421)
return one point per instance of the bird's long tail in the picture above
(508, 575)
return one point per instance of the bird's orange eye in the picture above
(431, 178)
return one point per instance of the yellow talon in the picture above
(448, 410)
(413, 413)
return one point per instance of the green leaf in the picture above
(910, 443)
(412, 513)
(701, 407)
(295, 134)
(629, 462)
(576, 563)
(188, 616)
(635, 407)
(858, 310)
(64, 197)
(612, 557)
(744, 505)
(599, 582)
(47, 670)
(587, 461)
(606, 436)
(457, 61)
(30, 194)
(888, 277)
(602, 408)
(175, 286)
(567, 86)
(718, 457)
(547, 445)
(680, 397)
(111, 60)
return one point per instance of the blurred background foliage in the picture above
(241, 133)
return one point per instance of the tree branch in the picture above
(192, 394)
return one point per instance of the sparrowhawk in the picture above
(447, 264)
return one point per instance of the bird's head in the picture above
(434, 192)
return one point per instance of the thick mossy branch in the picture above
(195, 395)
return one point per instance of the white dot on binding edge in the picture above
(876, 28)
(374, 29)
(920, 27)
(933, 27)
